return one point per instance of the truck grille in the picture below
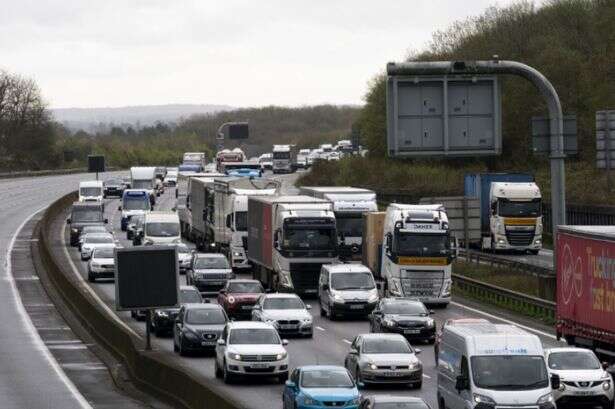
(214, 276)
(305, 275)
(422, 283)
(520, 237)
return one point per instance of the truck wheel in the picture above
(534, 252)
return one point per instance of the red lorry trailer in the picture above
(586, 287)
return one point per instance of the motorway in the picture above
(329, 346)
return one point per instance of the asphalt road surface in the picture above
(329, 346)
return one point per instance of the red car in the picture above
(238, 297)
(454, 322)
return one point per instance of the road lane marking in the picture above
(320, 328)
(346, 341)
(71, 347)
(29, 325)
(426, 376)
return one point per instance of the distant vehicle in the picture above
(96, 240)
(134, 202)
(159, 228)
(91, 191)
(101, 264)
(493, 366)
(283, 159)
(404, 316)
(344, 147)
(226, 155)
(326, 147)
(266, 161)
(453, 322)
(144, 178)
(135, 226)
(302, 158)
(163, 319)
(95, 228)
(242, 169)
(314, 156)
(209, 272)
(584, 380)
(320, 387)
(84, 214)
(286, 312)
(160, 172)
(239, 296)
(198, 327)
(195, 158)
(334, 156)
(184, 255)
(346, 289)
(171, 178)
(113, 187)
(384, 359)
(251, 349)
(392, 402)
(190, 168)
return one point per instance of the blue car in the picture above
(250, 173)
(320, 386)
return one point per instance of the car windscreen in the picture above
(103, 253)
(404, 308)
(281, 155)
(90, 191)
(245, 288)
(241, 221)
(98, 239)
(350, 225)
(326, 379)
(136, 203)
(254, 336)
(86, 215)
(210, 263)
(94, 229)
(571, 360)
(162, 229)
(386, 346)
(190, 297)
(202, 316)
(352, 281)
(286, 303)
(401, 405)
(509, 372)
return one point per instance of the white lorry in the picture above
(144, 178)
(195, 158)
(283, 159)
(302, 158)
(182, 193)
(91, 191)
(220, 214)
(289, 239)
(349, 204)
(417, 253)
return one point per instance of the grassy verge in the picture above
(502, 277)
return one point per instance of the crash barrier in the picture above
(508, 299)
(155, 372)
(35, 173)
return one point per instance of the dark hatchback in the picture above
(198, 327)
(403, 316)
(163, 319)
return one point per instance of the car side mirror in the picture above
(291, 384)
(325, 287)
(360, 385)
(222, 291)
(379, 286)
(417, 351)
(605, 365)
(119, 208)
(308, 307)
(461, 383)
(284, 342)
(431, 312)
(555, 382)
(221, 342)
(106, 221)
(68, 221)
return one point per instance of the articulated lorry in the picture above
(219, 208)
(349, 204)
(182, 193)
(289, 239)
(585, 268)
(283, 159)
(510, 211)
(142, 177)
(417, 253)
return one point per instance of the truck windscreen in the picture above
(136, 203)
(424, 245)
(141, 184)
(241, 221)
(309, 238)
(508, 208)
(509, 372)
(281, 155)
(86, 215)
(351, 225)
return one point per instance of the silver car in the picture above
(286, 312)
(96, 240)
(101, 264)
(384, 359)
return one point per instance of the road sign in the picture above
(96, 163)
(450, 115)
(238, 130)
(605, 140)
(541, 135)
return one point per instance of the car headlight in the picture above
(310, 401)
(95, 265)
(430, 322)
(373, 297)
(355, 401)
(414, 365)
(191, 335)
(483, 399)
(272, 322)
(236, 357)
(281, 356)
(337, 297)
(389, 322)
(372, 366)
(162, 314)
(307, 320)
(74, 231)
(606, 385)
(231, 300)
(236, 254)
(548, 398)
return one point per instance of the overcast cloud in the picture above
(234, 52)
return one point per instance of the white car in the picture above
(184, 255)
(101, 264)
(251, 349)
(96, 240)
(333, 156)
(286, 312)
(583, 379)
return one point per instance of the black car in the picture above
(209, 272)
(113, 187)
(403, 316)
(163, 319)
(84, 214)
(198, 327)
(388, 402)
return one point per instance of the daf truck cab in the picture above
(417, 253)
(134, 202)
(489, 365)
(282, 159)
(144, 178)
(91, 191)
(289, 239)
(349, 204)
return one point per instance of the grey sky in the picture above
(236, 52)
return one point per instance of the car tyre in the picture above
(534, 252)
(226, 375)
(217, 369)
(175, 348)
(182, 352)
(323, 313)
(441, 404)
(417, 385)
(91, 277)
(283, 378)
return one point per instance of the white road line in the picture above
(346, 341)
(486, 314)
(29, 326)
(320, 328)
(66, 341)
(426, 376)
(73, 347)
(91, 291)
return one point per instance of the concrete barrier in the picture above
(155, 372)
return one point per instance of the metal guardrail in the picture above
(492, 259)
(508, 299)
(35, 173)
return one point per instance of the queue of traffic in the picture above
(314, 245)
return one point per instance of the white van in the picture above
(91, 191)
(160, 228)
(493, 366)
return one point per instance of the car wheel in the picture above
(91, 277)
(217, 369)
(283, 378)
(331, 314)
(175, 348)
(323, 313)
(417, 385)
(226, 375)
(441, 404)
(358, 375)
(534, 252)
(182, 352)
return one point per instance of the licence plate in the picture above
(207, 343)
(246, 307)
(287, 326)
(412, 331)
(259, 366)
(393, 374)
(215, 283)
(356, 307)
(584, 393)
